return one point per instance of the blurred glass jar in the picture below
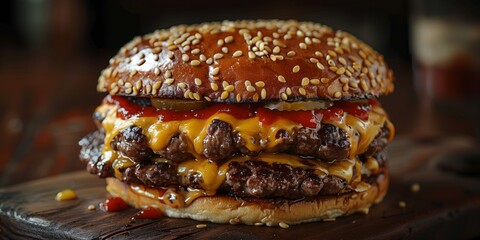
(445, 41)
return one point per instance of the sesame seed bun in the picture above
(261, 211)
(248, 61)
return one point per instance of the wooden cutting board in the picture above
(447, 205)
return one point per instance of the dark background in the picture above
(52, 52)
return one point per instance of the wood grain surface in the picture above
(446, 207)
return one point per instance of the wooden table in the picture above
(446, 207)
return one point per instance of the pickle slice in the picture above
(298, 106)
(178, 104)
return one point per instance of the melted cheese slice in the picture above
(257, 138)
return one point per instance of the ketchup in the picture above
(113, 204)
(149, 213)
(266, 116)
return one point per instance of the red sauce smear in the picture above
(149, 213)
(113, 204)
(243, 111)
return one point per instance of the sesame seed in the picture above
(209, 61)
(402, 204)
(229, 88)
(263, 93)
(198, 36)
(341, 71)
(225, 84)
(148, 88)
(224, 49)
(332, 53)
(415, 187)
(155, 57)
(281, 79)
(289, 91)
(337, 94)
(280, 57)
(305, 81)
(133, 73)
(276, 49)
(318, 54)
(353, 84)
(320, 66)
(313, 60)
(344, 80)
(91, 207)
(195, 51)
(325, 80)
(138, 85)
(170, 55)
(348, 73)
(208, 99)
(167, 74)
(215, 71)
(169, 81)
(214, 86)
(284, 96)
(302, 45)
(239, 97)
(333, 69)
(342, 61)
(255, 97)
(251, 88)
(237, 53)
(260, 84)
(156, 71)
(217, 56)
(198, 81)
(308, 40)
(251, 55)
(195, 63)
(185, 57)
(172, 47)
(196, 96)
(331, 62)
(156, 50)
(247, 83)
(363, 85)
(224, 95)
(157, 85)
(345, 88)
(279, 43)
(314, 81)
(273, 58)
(302, 91)
(195, 42)
(362, 54)
(142, 61)
(220, 42)
(283, 225)
(258, 224)
(181, 85)
(300, 33)
(296, 68)
(229, 39)
(291, 54)
(202, 58)
(201, 225)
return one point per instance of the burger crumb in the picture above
(67, 194)
(91, 207)
(258, 224)
(329, 219)
(201, 225)
(415, 187)
(283, 225)
(402, 204)
(234, 221)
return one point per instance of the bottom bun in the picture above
(270, 212)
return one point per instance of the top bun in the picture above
(248, 61)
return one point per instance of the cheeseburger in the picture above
(256, 122)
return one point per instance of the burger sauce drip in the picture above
(113, 204)
(266, 116)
